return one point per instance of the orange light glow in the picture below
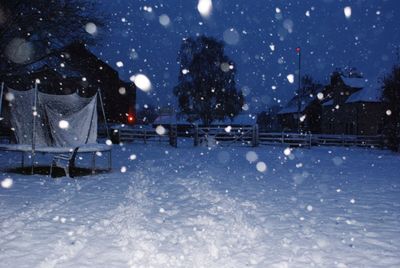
(131, 119)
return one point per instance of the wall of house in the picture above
(354, 119)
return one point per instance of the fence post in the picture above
(173, 136)
(255, 136)
(196, 135)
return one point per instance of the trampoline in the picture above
(26, 149)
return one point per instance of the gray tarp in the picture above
(80, 113)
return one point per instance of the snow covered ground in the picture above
(200, 207)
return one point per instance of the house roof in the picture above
(354, 82)
(369, 94)
(293, 105)
(328, 103)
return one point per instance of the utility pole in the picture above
(298, 50)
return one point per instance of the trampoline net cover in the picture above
(61, 120)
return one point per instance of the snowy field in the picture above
(200, 207)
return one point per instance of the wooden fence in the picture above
(291, 139)
(146, 135)
(226, 135)
(307, 140)
(245, 135)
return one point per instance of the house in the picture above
(119, 97)
(304, 111)
(353, 106)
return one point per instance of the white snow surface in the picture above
(208, 207)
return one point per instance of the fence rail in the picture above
(292, 139)
(146, 135)
(226, 135)
(245, 135)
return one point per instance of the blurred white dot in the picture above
(352, 201)
(91, 28)
(261, 167)
(347, 12)
(185, 71)
(7, 183)
(109, 142)
(164, 20)
(272, 47)
(225, 67)
(290, 78)
(122, 90)
(63, 124)
(160, 130)
(251, 156)
(120, 64)
(309, 208)
(141, 81)
(388, 112)
(205, 8)
(9, 96)
(132, 157)
(123, 169)
(320, 96)
(228, 129)
(231, 36)
(287, 151)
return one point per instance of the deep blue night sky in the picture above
(368, 40)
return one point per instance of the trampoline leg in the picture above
(93, 162)
(109, 161)
(33, 164)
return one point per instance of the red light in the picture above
(131, 119)
(298, 49)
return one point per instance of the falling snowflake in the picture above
(63, 124)
(205, 8)
(347, 12)
(290, 78)
(7, 183)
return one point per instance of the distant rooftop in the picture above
(372, 93)
(354, 82)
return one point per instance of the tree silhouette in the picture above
(391, 94)
(33, 30)
(207, 89)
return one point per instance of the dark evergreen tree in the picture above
(391, 95)
(207, 87)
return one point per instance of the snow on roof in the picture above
(354, 82)
(328, 103)
(369, 94)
